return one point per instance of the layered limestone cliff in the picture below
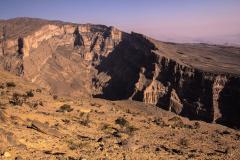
(60, 57)
(195, 80)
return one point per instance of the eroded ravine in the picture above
(94, 60)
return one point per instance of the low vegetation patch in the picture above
(30, 93)
(125, 125)
(84, 119)
(130, 129)
(10, 84)
(65, 108)
(177, 122)
(183, 142)
(17, 99)
(75, 144)
(196, 125)
(160, 122)
(121, 121)
(2, 86)
(34, 104)
(108, 129)
(55, 97)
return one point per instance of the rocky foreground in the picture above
(37, 125)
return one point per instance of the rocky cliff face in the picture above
(60, 57)
(198, 81)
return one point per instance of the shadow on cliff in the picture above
(196, 93)
(194, 87)
(229, 103)
(123, 64)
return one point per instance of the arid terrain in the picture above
(36, 125)
(84, 91)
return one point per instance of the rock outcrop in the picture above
(199, 81)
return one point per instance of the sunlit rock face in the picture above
(199, 81)
(60, 56)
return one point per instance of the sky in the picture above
(161, 19)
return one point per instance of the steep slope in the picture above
(198, 81)
(57, 55)
(36, 125)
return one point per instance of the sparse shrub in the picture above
(183, 142)
(177, 122)
(108, 129)
(81, 114)
(226, 132)
(128, 111)
(116, 134)
(130, 129)
(74, 144)
(66, 121)
(40, 103)
(10, 84)
(105, 126)
(2, 86)
(30, 93)
(34, 104)
(160, 122)
(121, 121)
(123, 142)
(196, 125)
(55, 97)
(17, 99)
(85, 120)
(2, 93)
(222, 132)
(127, 128)
(65, 108)
(175, 119)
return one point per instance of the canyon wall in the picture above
(140, 72)
(60, 58)
(94, 60)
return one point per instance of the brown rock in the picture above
(44, 128)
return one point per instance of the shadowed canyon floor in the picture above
(36, 125)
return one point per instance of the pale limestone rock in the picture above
(218, 86)
(154, 91)
(175, 104)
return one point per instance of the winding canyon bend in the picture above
(199, 81)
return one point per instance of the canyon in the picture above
(198, 81)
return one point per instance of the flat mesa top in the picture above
(211, 58)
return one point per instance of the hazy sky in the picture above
(157, 18)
